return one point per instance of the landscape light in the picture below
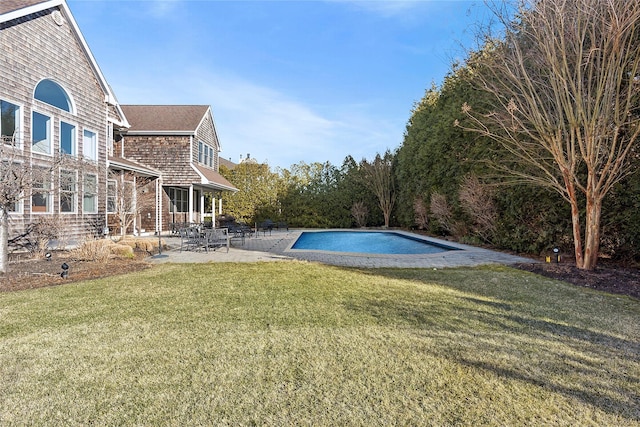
(65, 270)
(47, 256)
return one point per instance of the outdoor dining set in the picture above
(196, 237)
(200, 238)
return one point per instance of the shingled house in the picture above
(179, 141)
(124, 175)
(59, 115)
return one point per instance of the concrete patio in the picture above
(276, 246)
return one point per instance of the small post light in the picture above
(47, 256)
(556, 255)
(65, 270)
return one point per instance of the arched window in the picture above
(53, 94)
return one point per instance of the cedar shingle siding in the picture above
(37, 47)
(39, 40)
(168, 154)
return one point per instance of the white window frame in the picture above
(112, 196)
(74, 138)
(72, 191)
(48, 195)
(90, 145)
(178, 200)
(88, 195)
(49, 136)
(17, 131)
(70, 104)
(18, 206)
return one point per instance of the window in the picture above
(9, 122)
(90, 145)
(196, 200)
(41, 133)
(68, 191)
(179, 200)
(90, 198)
(41, 192)
(11, 175)
(112, 194)
(205, 154)
(67, 139)
(16, 207)
(53, 94)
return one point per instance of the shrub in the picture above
(121, 250)
(93, 250)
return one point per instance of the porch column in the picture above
(213, 210)
(202, 206)
(159, 206)
(191, 203)
(136, 229)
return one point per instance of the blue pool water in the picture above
(370, 242)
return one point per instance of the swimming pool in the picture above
(368, 242)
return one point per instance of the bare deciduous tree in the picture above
(476, 199)
(359, 212)
(565, 78)
(441, 211)
(420, 213)
(16, 178)
(21, 177)
(128, 196)
(378, 177)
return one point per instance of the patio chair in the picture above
(190, 239)
(217, 238)
(266, 226)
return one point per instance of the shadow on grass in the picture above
(561, 354)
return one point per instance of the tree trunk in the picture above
(575, 221)
(592, 234)
(4, 241)
(386, 213)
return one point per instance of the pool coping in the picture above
(461, 255)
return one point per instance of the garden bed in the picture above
(37, 273)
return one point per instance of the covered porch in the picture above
(198, 203)
(132, 197)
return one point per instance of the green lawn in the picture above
(298, 343)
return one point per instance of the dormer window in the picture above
(53, 94)
(205, 154)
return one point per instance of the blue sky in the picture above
(288, 81)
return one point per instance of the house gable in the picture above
(179, 140)
(15, 12)
(40, 42)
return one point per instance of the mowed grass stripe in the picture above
(300, 343)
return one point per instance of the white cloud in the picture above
(276, 128)
(268, 124)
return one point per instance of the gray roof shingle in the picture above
(164, 118)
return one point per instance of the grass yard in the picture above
(298, 343)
